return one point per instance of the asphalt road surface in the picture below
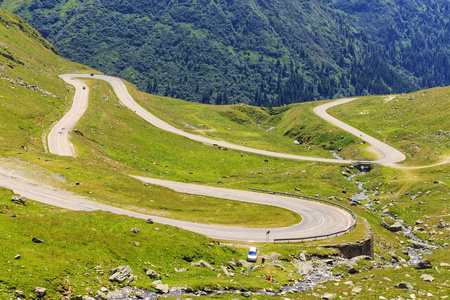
(58, 138)
(390, 154)
(317, 218)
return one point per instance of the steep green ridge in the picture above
(265, 53)
(33, 97)
(80, 248)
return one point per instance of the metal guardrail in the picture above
(355, 217)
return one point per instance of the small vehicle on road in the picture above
(252, 254)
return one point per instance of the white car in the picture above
(252, 254)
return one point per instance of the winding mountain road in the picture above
(317, 218)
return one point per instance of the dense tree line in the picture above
(269, 53)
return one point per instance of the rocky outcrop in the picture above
(40, 291)
(394, 227)
(360, 248)
(423, 264)
(204, 264)
(28, 86)
(120, 273)
(404, 285)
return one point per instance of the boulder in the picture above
(134, 230)
(442, 224)
(405, 285)
(423, 264)
(396, 227)
(162, 288)
(18, 199)
(101, 296)
(17, 256)
(19, 293)
(120, 273)
(302, 256)
(427, 277)
(417, 245)
(328, 296)
(225, 271)
(37, 241)
(204, 264)
(246, 294)
(152, 274)
(351, 269)
(40, 291)
(149, 221)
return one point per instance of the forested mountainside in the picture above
(260, 52)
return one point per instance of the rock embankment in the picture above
(360, 248)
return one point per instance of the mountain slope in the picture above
(31, 92)
(266, 53)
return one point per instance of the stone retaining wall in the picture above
(363, 247)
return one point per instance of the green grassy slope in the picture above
(26, 59)
(416, 124)
(116, 144)
(28, 113)
(274, 129)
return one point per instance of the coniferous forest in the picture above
(259, 52)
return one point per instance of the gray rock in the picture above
(18, 199)
(203, 263)
(17, 256)
(37, 241)
(405, 285)
(135, 230)
(101, 296)
(140, 294)
(245, 263)
(396, 227)
(40, 291)
(162, 288)
(442, 224)
(149, 221)
(120, 273)
(351, 269)
(328, 296)
(427, 277)
(417, 245)
(19, 293)
(423, 264)
(225, 271)
(302, 256)
(152, 274)
(246, 294)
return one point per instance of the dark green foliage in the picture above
(265, 53)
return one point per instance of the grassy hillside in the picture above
(416, 124)
(79, 248)
(32, 95)
(274, 129)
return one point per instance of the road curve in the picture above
(391, 155)
(126, 99)
(58, 138)
(317, 218)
